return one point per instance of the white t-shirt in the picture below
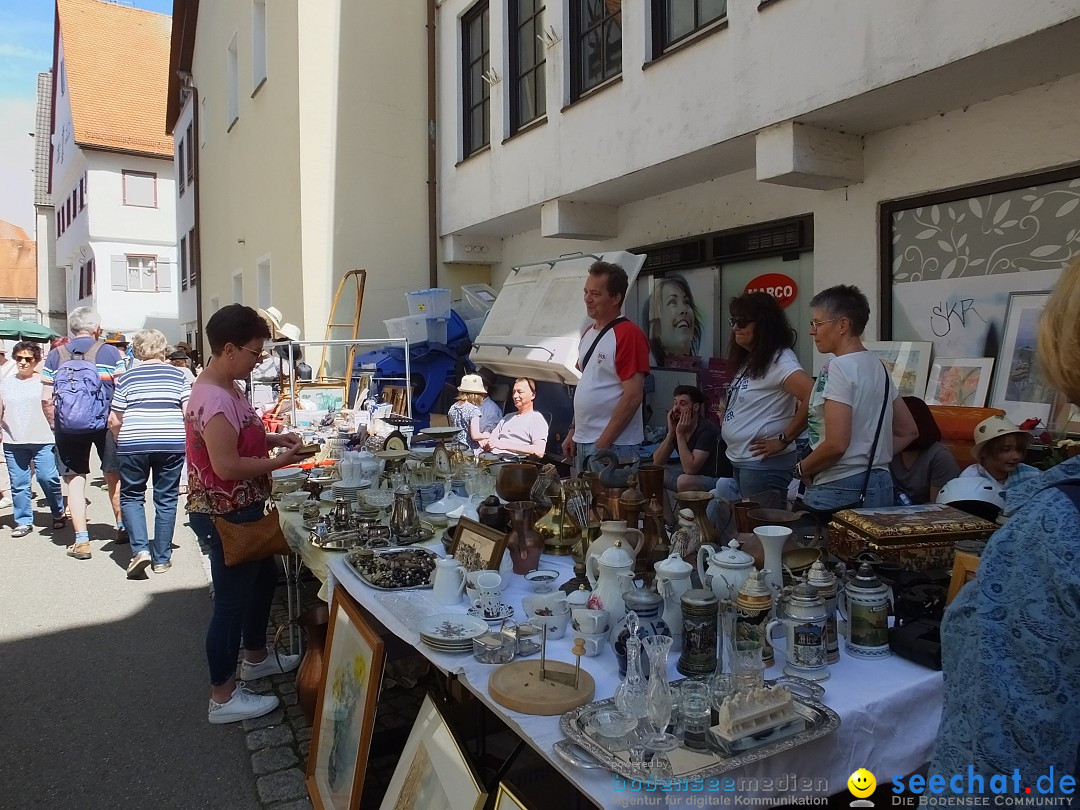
(622, 352)
(857, 380)
(759, 408)
(24, 422)
(521, 428)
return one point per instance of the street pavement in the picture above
(104, 679)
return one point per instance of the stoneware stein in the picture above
(867, 606)
(801, 612)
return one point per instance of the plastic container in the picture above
(430, 303)
(436, 330)
(474, 325)
(479, 297)
(414, 328)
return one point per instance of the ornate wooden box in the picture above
(919, 538)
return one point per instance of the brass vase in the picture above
(559, 530)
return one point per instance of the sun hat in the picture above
(472, 384)
(991, 428)
(288, 331)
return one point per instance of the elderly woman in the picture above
(999, 451)
(147, 420)
(1008, 640)
(925, 465)
(525, 431)
(853, 395)
(229, 468)
(28, 440)
(465, 414)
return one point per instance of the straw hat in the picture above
(991, 428)
(272, 316)
(472, 384)
(288, 331)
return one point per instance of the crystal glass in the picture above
(748, 665)
(630, 697)
(695, 705)
(658, 695)
(721, 687)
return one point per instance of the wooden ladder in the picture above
(358, 277)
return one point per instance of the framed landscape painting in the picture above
(477, 547)
(959, 381)
(908, 362)
(1020, 388)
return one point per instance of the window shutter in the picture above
(119, 273)
(164, 275)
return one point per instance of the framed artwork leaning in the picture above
(908, 362)
(321, 397)
(959, 381)
(345, 711)
(1020, 388)
(476, 546)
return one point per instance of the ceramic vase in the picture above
(525, 544)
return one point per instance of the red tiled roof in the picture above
(117, 66)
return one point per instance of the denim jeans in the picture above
(768, 475)
(586, 450)
(845, 491)
(19, 457)
(135, 471)
(242, 596)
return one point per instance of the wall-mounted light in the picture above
(476, 248)
(549, 37)
(491, 77)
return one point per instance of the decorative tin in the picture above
(868, 615)
(825, 581)
(699, 632)
(753, 609)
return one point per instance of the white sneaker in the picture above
(138, 564)
(271, 665)
(5, 501)
(243, 705)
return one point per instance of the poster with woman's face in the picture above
(678, 317)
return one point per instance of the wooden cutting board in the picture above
(518, 687)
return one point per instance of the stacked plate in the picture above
(451, 632)
(348, 489)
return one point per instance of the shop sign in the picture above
(782, 288)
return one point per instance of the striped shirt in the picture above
(109, 362)
(152, 398)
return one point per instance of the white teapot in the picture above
(611, 575)
(728, 568)
(672, 581)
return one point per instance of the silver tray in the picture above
(350, 560)
(820, 721)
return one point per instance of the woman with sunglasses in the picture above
(852, 396)
(523, 432)
(28, 439)
(768, 398)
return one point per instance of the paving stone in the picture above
(303, 748)
(287, 688)
(280, 677)
(269, 737)
(261, 687)
(303, 804)
(282, 786)
(289, 699)
(294, 712)
(272, 719)
(272, 759)
(304, 734)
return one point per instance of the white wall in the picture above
(187, 302)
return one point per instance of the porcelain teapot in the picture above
(612, 531)
(611, 575)
(729, 569)
(672, 581)
(448, 581)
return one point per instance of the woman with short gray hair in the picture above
(148, 421)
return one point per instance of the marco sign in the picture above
(782, 288)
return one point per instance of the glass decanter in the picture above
(630, 697)
(659, 701)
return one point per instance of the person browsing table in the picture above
(525, 431)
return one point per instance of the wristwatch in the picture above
(783, 439)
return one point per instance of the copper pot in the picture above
(515, 481)
(651, 481)
(770, 517)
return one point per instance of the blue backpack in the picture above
(80, 400)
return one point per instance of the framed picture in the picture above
(959, 381)
(677, 319)
(1020, 388)
(477, 546)
(964, 567)
(345, 711)
(1064, 416)
(506, 799)
(908, 361)
(433, 772)
(321, 397)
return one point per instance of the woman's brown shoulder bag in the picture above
(247, 542)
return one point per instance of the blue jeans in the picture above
(19, 457)
(768, 475)
(242, 596)
(586, 450)
(135, 471)
(845, 491)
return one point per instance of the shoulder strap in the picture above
(63, 354)
(90, 355)
(604, 331)
(877, 435)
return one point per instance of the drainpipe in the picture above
(433, 245)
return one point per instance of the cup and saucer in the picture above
(494, 618)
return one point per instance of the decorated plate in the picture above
(452, 627)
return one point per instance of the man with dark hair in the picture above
(613, 357)
(702, 461)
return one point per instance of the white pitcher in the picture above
(672, 581)
(449, 581)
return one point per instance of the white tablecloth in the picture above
(889, 713)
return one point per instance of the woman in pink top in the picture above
(229, 477)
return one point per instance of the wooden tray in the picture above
(518, 687)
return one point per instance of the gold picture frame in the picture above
(506, 799)
(345, 710)
(476, 546)
(323, 396)
(434, 770)
(965, 565)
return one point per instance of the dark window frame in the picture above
(181, 174)
(580, 84)
(184, 280)
(526, 78)
(189, 137)
(472, 141)
(663, 41)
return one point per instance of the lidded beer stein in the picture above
(867, 608)
(801, 611)
(825, 581)
(753, 608)
(698, 614)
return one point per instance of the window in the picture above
(238, 286)
(258, 44)
(82, 193)
(675, 20)
(232, 85)
(596, 43)
(476, 108)
(180, 175)
(203, 121)
(190, 156)
(527, 92)
(86, 279)
(140, 188)
(263, 280)
(142, 274)
(59, 223)
(184, 280)
(193, 257)
(215, 305)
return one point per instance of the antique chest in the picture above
(919, 538)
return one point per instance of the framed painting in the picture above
(476, 546)
(506, 799)
(1064, 416)
(908, 362)
(433, 773)
(321, 397)
(345, 711)
(959, 381)
(1020, 388)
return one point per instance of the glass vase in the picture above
(630, 696)
(659, 701)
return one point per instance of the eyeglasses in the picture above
(262, 355)
(740, 323)
(817, 324)
(24, 359)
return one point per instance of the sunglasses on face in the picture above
(740, 323)
(24, 359)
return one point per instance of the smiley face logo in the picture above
(862, 783)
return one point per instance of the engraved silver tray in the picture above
(350, 560)
(820, 721)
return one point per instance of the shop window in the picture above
(677, 20)
(595, 43)
(527, 63)
(475, 96)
